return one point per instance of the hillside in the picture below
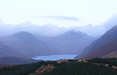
(102, 46)
(107, 50)
(65, 67)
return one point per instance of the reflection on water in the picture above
(54, 57)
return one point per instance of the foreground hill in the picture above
(65, 67)
(104, 46)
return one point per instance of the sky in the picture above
(40, 11)
(58, 13)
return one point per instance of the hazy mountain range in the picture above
(50, 29)
(28, 41)
(7, 51)
(26, 44)
(31, 45)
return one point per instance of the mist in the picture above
(54, 29)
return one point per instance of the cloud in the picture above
(112, 21)
(89, 11)
(58, 21)
(56, 25)
(68, 18)
(92, 30)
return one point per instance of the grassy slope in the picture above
(69, 67)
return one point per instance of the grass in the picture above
(69, 67)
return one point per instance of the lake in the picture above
(54, 57)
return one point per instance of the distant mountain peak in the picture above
(72, 33)
(24, 34)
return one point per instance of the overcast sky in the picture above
(68, 13)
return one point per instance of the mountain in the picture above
(31, 45)
(70, 42)
(7, 51)
(10, 56)
(26, 44)
(105, 45)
